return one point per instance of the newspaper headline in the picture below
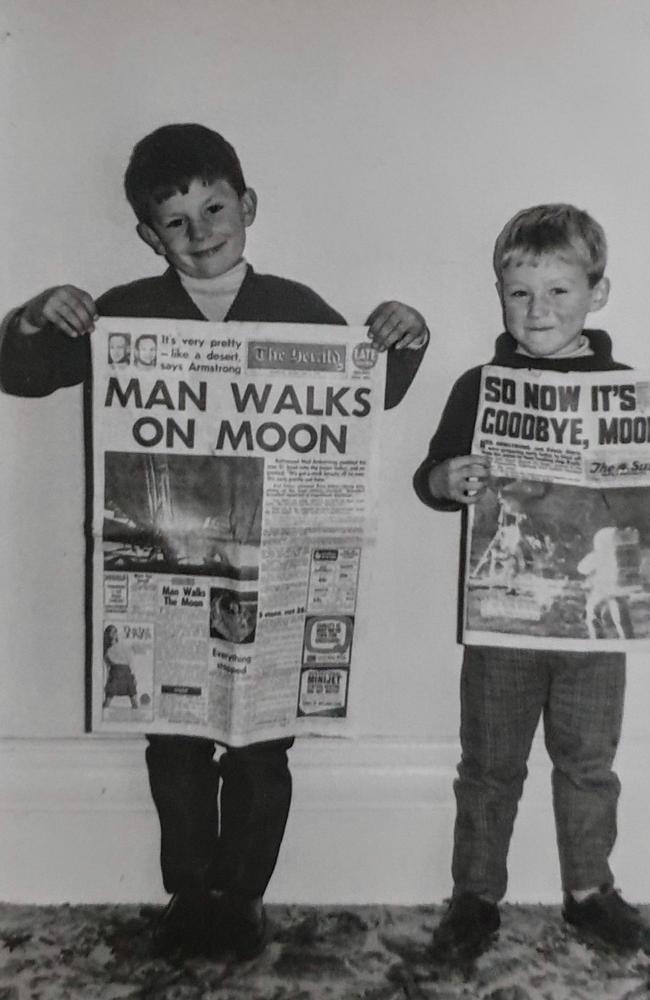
(234, 472)
(558, 552)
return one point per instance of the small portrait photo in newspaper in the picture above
(233, 616)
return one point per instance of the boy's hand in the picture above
(69, 309)
(394, 324)
(461, 479)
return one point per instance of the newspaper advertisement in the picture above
(558, 546)
(234, 506)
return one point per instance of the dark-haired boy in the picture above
(550, 266)
(222, 822)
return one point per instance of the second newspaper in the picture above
(558, 553)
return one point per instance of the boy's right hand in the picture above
(461, 479)
(69, 309)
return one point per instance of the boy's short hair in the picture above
(550, 229)
(170, 158)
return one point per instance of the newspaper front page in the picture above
(234, 500)
(558, 548)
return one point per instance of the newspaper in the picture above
(558, 547)
(234, 502)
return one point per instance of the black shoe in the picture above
(247, 934)
(468, 927)
(605, 918)
(190, 925)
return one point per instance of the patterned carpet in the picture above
(324, 953)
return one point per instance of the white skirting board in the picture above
(371, 822)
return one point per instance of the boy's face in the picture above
(546, 300)
(201, 233)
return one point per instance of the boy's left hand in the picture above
(394, 324)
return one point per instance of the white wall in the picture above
(388, 142)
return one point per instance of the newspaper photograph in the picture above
(558, 546)
(234, 472)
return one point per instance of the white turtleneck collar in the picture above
(214, 296)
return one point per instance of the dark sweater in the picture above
(38, 364)
(456, 428)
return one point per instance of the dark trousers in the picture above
(221, 821)
(503, 694)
